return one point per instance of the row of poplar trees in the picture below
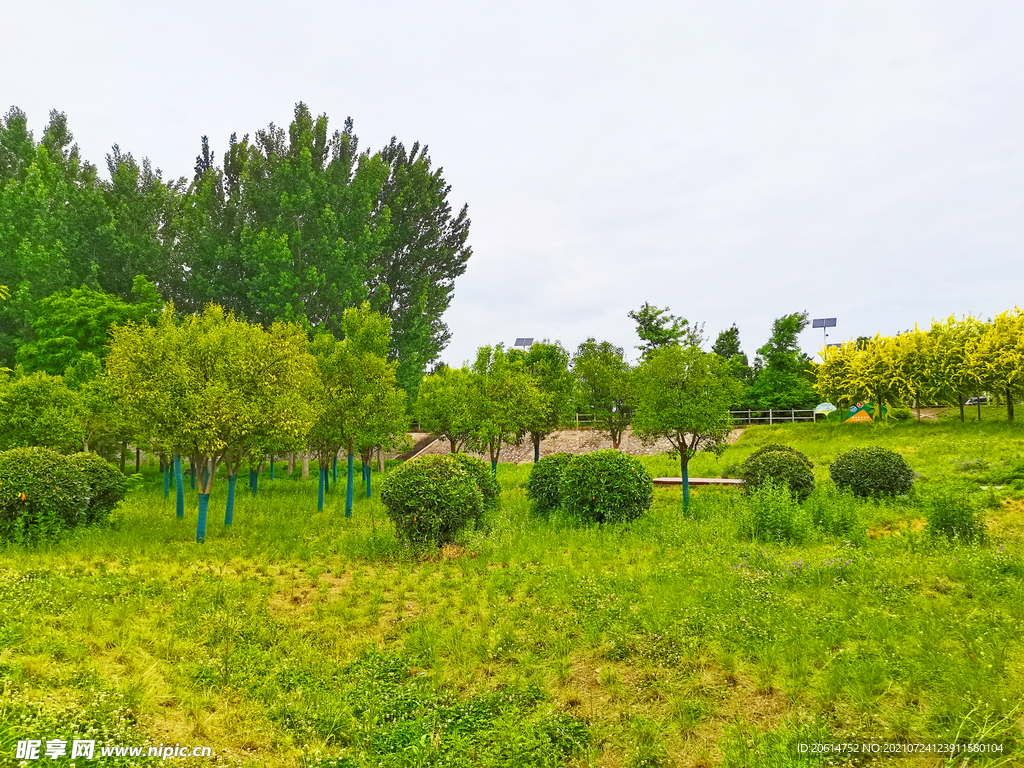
(217, 389)
(289, 225)
(952, 361)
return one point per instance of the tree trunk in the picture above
(138, 456)
(291, 462)
(380, 459)
(453, 448)
(305, 466)
(536, 450)
(124, 454)
(960, 398)
(917, 404)
(1009, 404)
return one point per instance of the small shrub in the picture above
(606, 486)
(542, 487)
(779, 464)
(951, 512)
(776, 447)
(482, 475)
(42, 493)
(775, 514)
(872, 472)
(902, 413)
(834, 511)
(107, 486)
(430, 499)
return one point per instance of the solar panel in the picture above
(824, 322)
(523, 342)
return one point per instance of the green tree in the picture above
(213, 387)
(658, 328)
(424, 251)
(783, 378)
(684, 395)
(549, 365)
(998, 356)
(950, 360)
(361, 405)
(604, 386)
(505, 401)
(727, 345)
(444, 405)
(39, 410)
(74, 323)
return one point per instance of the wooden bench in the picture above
(698, 481)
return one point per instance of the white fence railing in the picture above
(741, 418)
(747, 418)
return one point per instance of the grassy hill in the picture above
(304, 638)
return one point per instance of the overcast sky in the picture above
(734, 161)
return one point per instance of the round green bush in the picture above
(872, 472)
(606, 486)
(430, 499)
(107, 486)
(779, 463)
(776, 447)
(482, 475)
(542, 486)
(42, 493)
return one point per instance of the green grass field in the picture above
(299, 638)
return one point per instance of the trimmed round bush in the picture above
(779, 464)
(42, 493)
(606, 487)
(431, 499)
(542, 486)
(482, 475)
(107, 486)
(872, 472)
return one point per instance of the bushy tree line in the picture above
(951, 361)
(291, 225)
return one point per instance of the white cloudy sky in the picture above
(735, 160)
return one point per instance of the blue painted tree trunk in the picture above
(327, 479)
(192, 475)
(367, 471)
(334, 468)
(271, 470)
(320, 495)
(686, 487)
(254, 481)
(167, 481)
(349, 488)
(494, 468)
(536, 452)
(179, 488)
(204, 503)
(229, 509)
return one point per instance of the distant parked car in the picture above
(980, 400)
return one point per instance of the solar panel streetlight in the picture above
(823, 323)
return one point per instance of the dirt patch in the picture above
(295, 596)
(575, 441)
(897, 529)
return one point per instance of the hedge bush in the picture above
(872, 472)
(606, 486)
(482, 475)
(779, 464)
(107, 486)
(42, 493)
(431, 499)
(542, 486)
